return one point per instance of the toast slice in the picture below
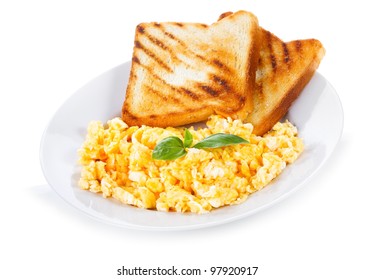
(283, 71)
(182, 73)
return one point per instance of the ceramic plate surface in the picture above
(317, 113)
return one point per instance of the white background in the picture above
(49, 49)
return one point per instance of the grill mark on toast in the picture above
(170, 35)
(138, 45)
(199, 56)
(273, 62)
(286, 53)
(136, 59)
(157, 42)
(140, 28)
(163, 96)
(298, 45)
(222, 83)
(242, 100)
(272, 55)
(209, 90)
(189, 93)
(220, 65)
(173, 37)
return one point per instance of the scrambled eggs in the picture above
(116, 161)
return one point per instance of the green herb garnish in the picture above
(173, 147)
(169, 148)
(188, 139)
(220, 140)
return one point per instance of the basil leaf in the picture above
(169, 148)
(219, 140)
(188, 139)
(173, 147)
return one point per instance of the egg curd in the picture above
(117, 162)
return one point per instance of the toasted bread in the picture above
(283, 71)
(182, 73)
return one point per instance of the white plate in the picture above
(317, 113)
